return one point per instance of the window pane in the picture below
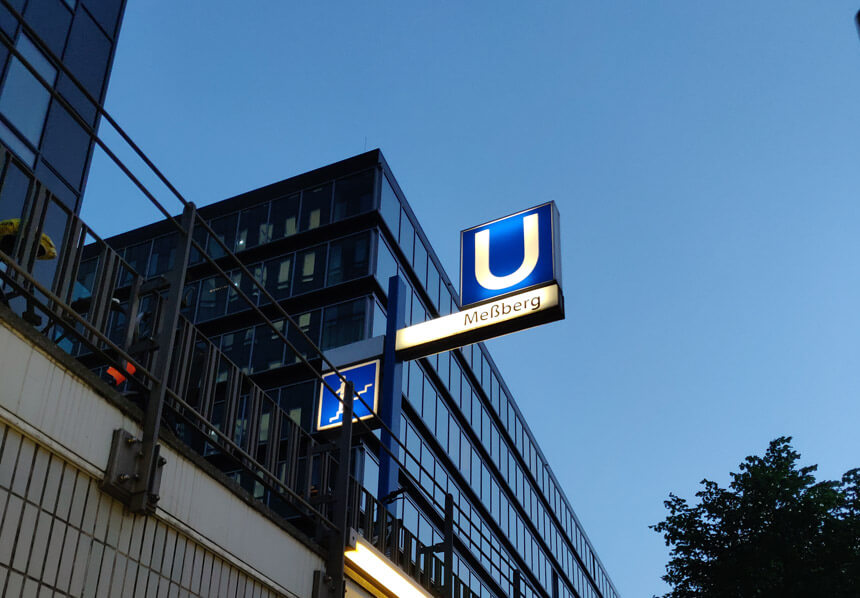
(65, 145)
(268, 348)
(213, 298)
(444, 300)
(137, 257)
(23, 100)
(87, 53)
(310, 269)
(407, 235)
(278, 275)
(254, 227)
(37, 60)
(309, 323)
(13, 142)
(433, 283)
(13, 192)
(343, 324)
(349, 258)
(236, 346)
(386, 266)
(246, 285)
(285, 216)
(353, 195)
(225, 229)
(316, 207)
(379, 320)
(50, 19)
(390, 207)
(420, 261)
(163, 254)
(189, 299)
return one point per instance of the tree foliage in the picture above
(774, 531)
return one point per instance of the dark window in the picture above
(85, 108)
(285, 216)
(189, 299)
(268, 348)
(213, 298)
(50, 19)
(8, 22)
(386, 266)
(86, 277)
(254, 227)
(87, 53)
(407, 235)
(390, 207)
(236, 346)
(343, 324)
(316, 207)
(428, 406)
(57, 186)
(66, 145)
(277, 275)
(310, 269)
(137, 257)
(353, 195)
(349, 258)
(379, 321)
(241, 282)
(106, 12)
(420, 261)
(225, 229)
(199, 237)
(433, 283)
(445, 300)
(297, 401)
(163, 254)
(13, 191)
(23, 100)
(309, 323)
(54, 225)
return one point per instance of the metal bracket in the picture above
(125, 470)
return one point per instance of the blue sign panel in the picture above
(365, 381)
(507, 255)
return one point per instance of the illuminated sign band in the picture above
(365, 381)
(488, 320)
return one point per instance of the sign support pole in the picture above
(392, 389)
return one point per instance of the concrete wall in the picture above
(60, 535)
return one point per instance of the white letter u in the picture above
(530, 257)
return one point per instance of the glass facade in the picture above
(65, 50)
(323, 245)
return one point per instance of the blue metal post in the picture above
(392, 384)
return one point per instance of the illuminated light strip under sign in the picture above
(489, 320)
(382, 571)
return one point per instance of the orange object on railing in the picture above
(119, 377)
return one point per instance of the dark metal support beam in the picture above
(448, 547)
(144, 491)
(334, 575)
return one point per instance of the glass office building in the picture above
(324, 245)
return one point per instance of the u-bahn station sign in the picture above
(509, 280)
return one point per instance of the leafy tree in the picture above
(774, 531)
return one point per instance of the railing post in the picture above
(334, 574)
(448, 546)
(144, 491)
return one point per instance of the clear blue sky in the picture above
(704, 157)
